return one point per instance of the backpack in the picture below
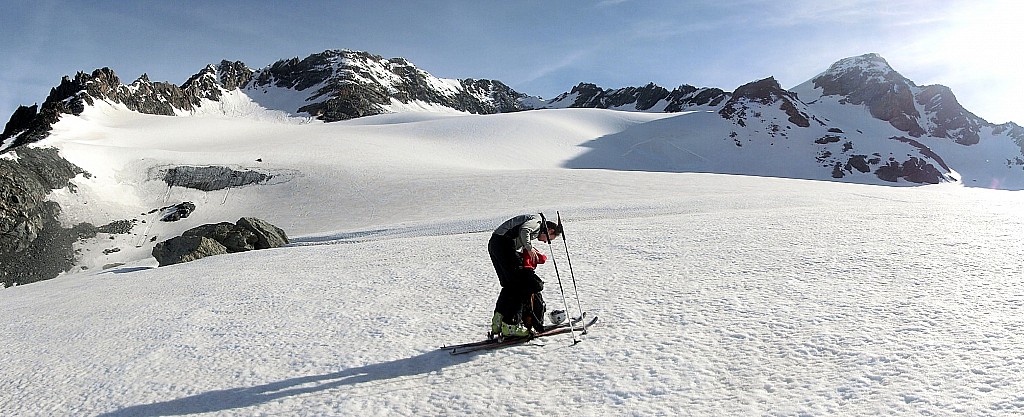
(533, 312)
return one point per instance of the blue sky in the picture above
(538, 47)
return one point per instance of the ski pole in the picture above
(575, 289)
(547, 234)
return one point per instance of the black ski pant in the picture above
(517, 283)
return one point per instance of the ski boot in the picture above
(514, 330)
(495, 326)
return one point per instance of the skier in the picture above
(510, 249)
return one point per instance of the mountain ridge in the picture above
(859, 122)
(343, 84)
(338, 85)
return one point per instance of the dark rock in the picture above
(33, 244)
(951, 119)
(118, 227)
(234, 238)
(186, 248)
(211, 178)
(837, 171)
(248, 233)
(926, 151)
(20, 121)
(84, 231)
(858, 162)
(177, 212)
(869, 80)
(889, 172)
(644, 98)
(267, 235)
(233, 75)
(827, 139)
(765, 92)
(914, 170)
(350, 85)
(48, 254)
(212, 81)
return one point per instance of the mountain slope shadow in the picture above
(234, 398)
(656, 146)
(704, 142)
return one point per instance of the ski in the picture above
(547, 328)
(499, 343)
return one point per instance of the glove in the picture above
(529, 262)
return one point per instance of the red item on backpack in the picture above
(528, 264)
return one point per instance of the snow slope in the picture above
(718, 294)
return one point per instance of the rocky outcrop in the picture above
(33, 123)
(766, 92)
(267, 235)
(919, 170)
(914, 170)
(186, 249)
(950, 119)
(74, 94)
(211, 178)
(33, 244)
(211, 82)
(1013, 131)
(248, 233)
(176, 212)
(233, 237)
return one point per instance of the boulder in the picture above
(267, 235)
(186, 248)
(177, 212)
(234, 238)
(247, 234)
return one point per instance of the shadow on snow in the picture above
(234, 398)
(672, 145)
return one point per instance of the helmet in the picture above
(557, 316)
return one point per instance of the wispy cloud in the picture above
(568, 60)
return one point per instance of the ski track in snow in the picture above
(769, 302)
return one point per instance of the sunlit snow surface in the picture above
(717, 294)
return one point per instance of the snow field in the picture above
(718, 294)
(760, 302)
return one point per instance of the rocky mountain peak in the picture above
(764, 92)
(869, 80)
(233, 74)
(332, 85)
(210, 82)
(868, 66)
(345, 84)
(918, 110)
(31, 124)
